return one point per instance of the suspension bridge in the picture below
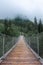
(21, 54)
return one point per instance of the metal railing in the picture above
(36, 43)
(6, 43)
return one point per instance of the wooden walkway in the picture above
(21, 55)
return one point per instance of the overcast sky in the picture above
(29, 8)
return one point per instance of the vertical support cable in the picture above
(38, 44)
(3, 43)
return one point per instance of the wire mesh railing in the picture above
(36, 43)
(41, 45)
(1, 46)
(6, 43)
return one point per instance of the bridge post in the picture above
(38, 44)
(3, 43)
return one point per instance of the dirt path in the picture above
(21, 55)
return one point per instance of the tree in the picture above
(5, 27)
(35, 22)
(35, 25)
(9, 27)
(40, 26)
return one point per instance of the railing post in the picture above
(3, 43)
(38, 44)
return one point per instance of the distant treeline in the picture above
(17, 26)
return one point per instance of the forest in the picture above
(18, 26)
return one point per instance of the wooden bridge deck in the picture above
(21, 55)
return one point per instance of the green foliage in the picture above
(40, 28)
(17, 26)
